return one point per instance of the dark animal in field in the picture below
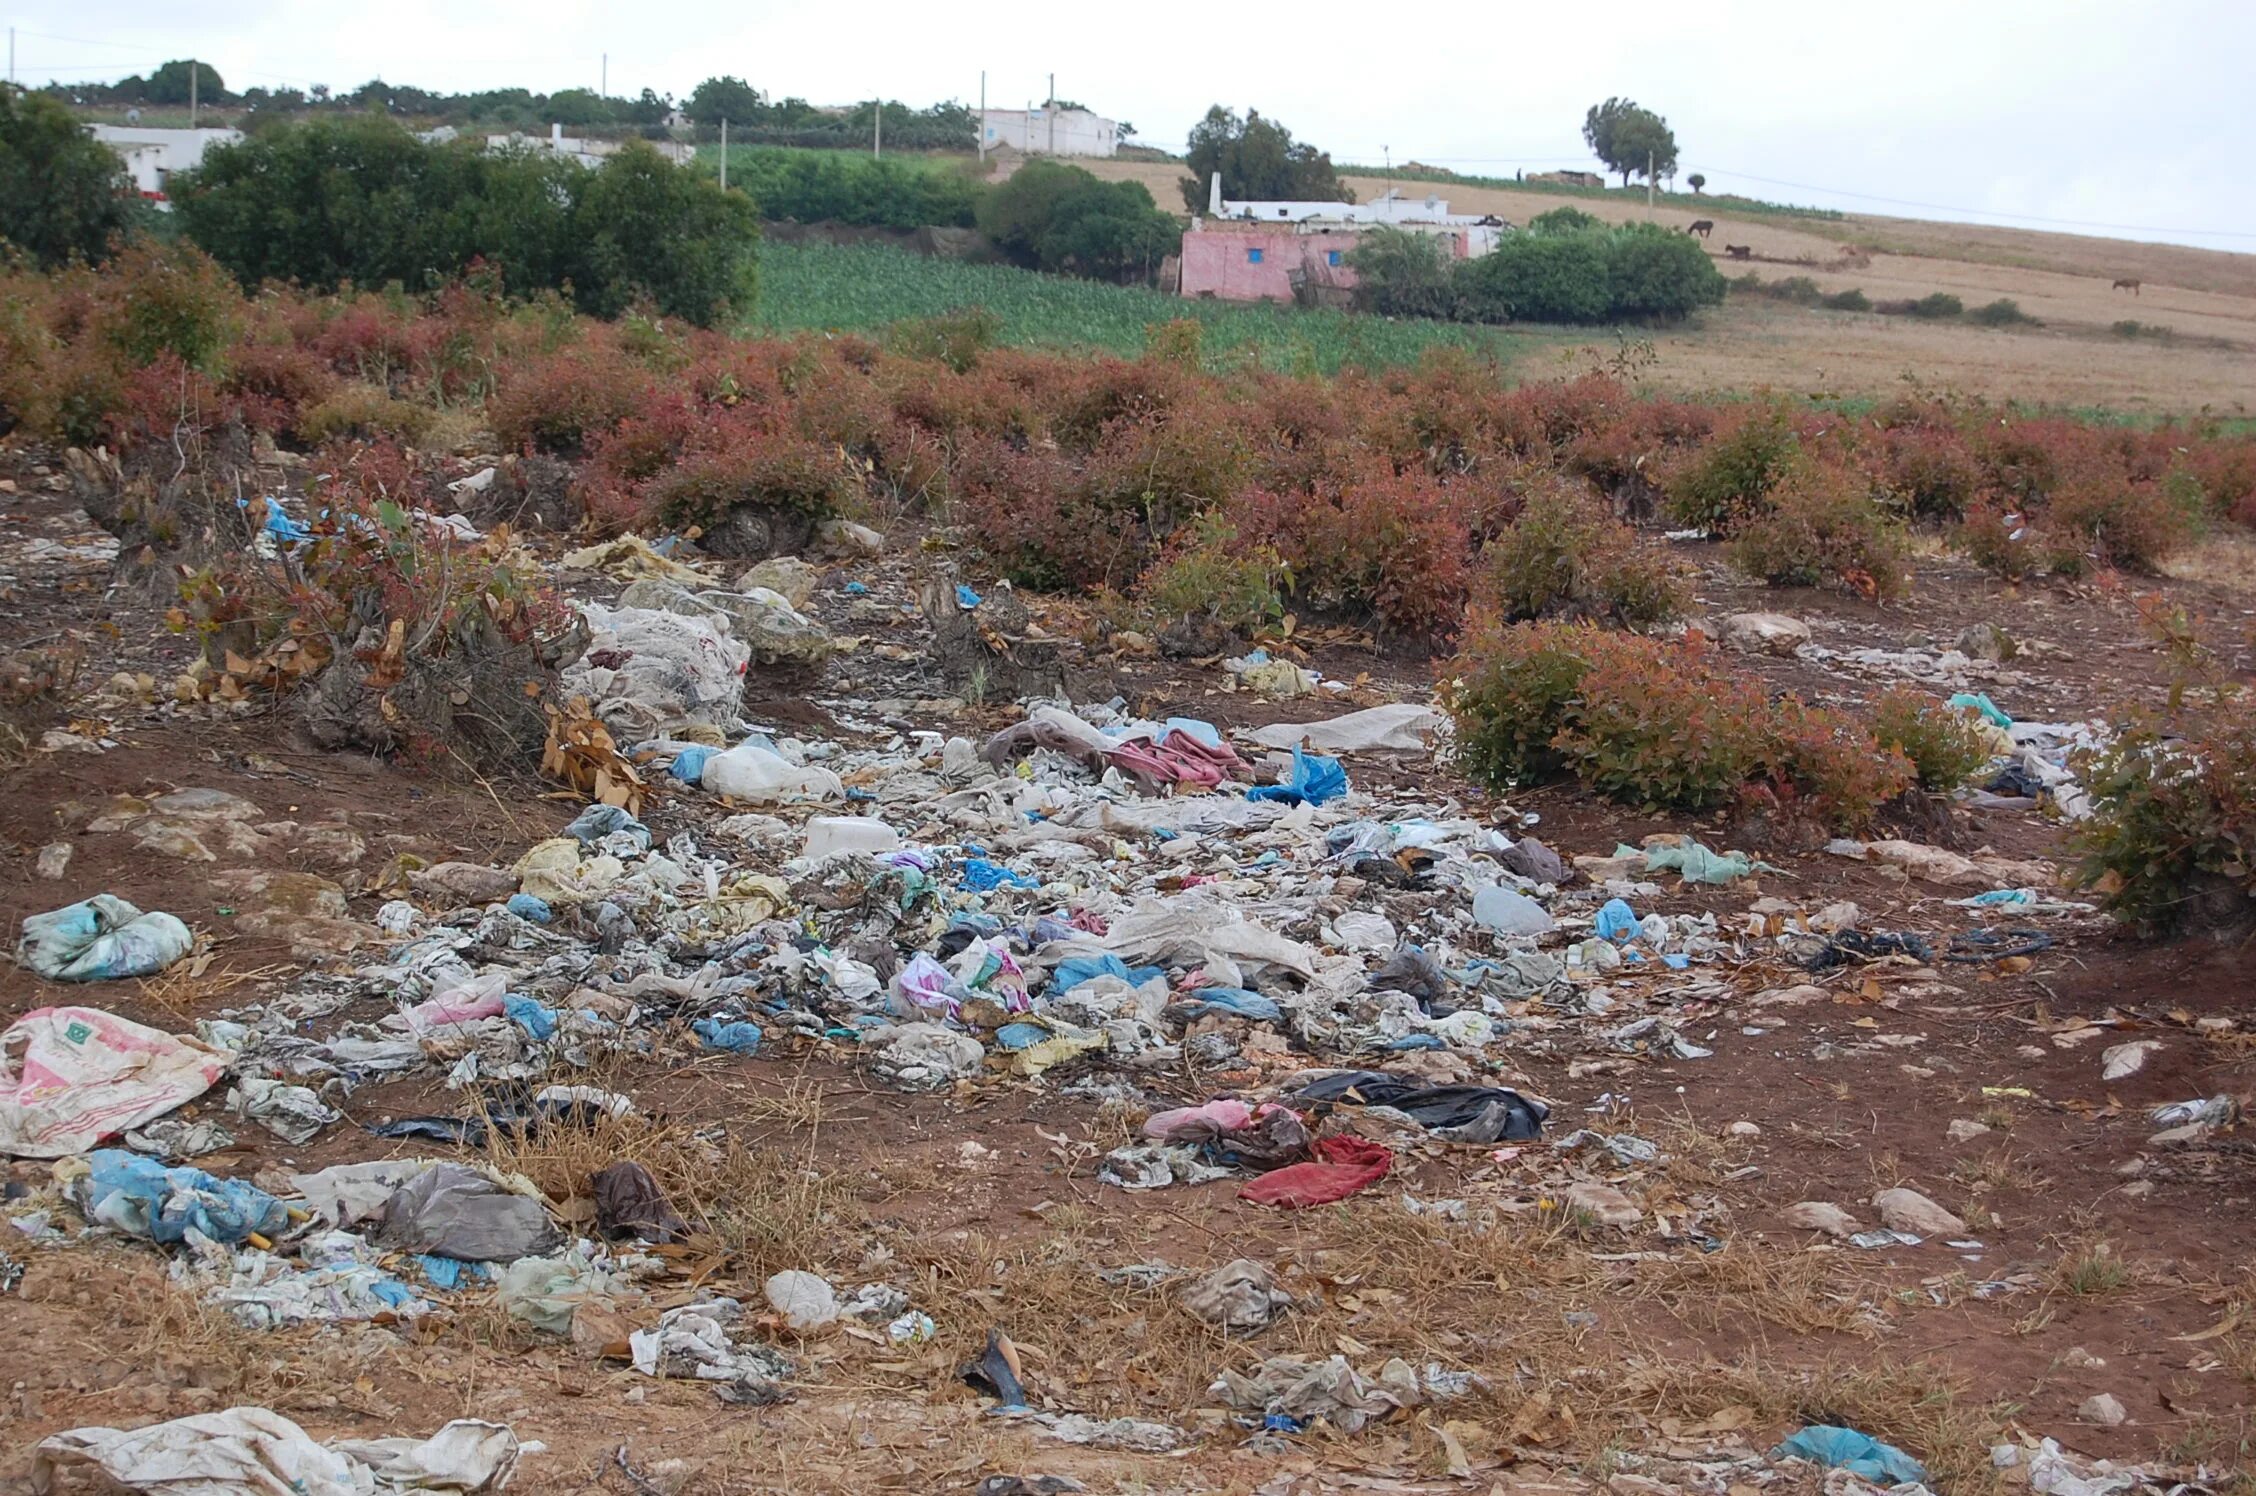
(2126, 284)
(1740, 251)
(1701, 226)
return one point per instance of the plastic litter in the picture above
(1507, 911)
(292, 1113)
(805, 1300)
(695, 1342)
(253, 1450)
(628, 1202)
(1617, 922)
(1858, 1453)
(1980, 702)
(737, 1037)
(967, 599)
(101, 939)
(143, 1198)
(1313, 780)
(762, 776)
(1463, 1114)
(1343, 1166)
(532, 907)
(997, 1373)
(1694, 861)
(450, 1211)
(1240, 1297)
(70, 1077)
(1398, 727)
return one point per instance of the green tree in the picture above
(1630, 139)
(1401, 274)
(62, 193)
(1259, 160)
(1652, 274)
(1695, 182)
(726, 97)
(653, 231)
(169, 84)
(579, 106)
(1053, 216)
(1564, 220)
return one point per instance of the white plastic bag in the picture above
(70, 1077)
(646, 669)
(753, 773)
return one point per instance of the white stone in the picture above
(1820, 1215)
(1768, 633)
(1903, 1209)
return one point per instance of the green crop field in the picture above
(858, 288)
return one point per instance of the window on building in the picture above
(1331, 257)
(1253, 257)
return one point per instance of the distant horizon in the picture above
(2013, 115)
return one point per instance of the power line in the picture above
(1900, 202)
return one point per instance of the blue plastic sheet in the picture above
(1315, 779)
(689, 763)
(1205, 732)
(1980, 701)
(142, 1197)
(736, 1037)
(1616, 921)
(448, 1272)
(531, 906)
(281, 526)
(982, 876)
(537, 1022)
(1015, 1036)
(1237, 1001)
(1075, 970)
(966, 598)
(1860, 1454)
(856, 589)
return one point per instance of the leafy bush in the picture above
(1208, 572)
(1402, 274)
(2109, 521)
(361, 412)
(1589, 275)
(1797, 289)
(953, 338)
(1566, 556)
(801, 481)
(1392, 547)
(1822, 529)
(1936, 306)
(1651, 273)
(1564, 220)
(2003, 312)
(169, 299)
(1998, 538)
(851, 188)
(1945, 746)
(2171, 842)
(1054, 216)
(557, 404)
(1654, 723)
(63, 194)
(1929, 470)
(1729, 479)
(1851, 300)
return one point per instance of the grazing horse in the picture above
(2126, 284)
(1700, 226)
(1740, 251)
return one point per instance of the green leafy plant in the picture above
(1945, 747)
(2171, 842)
(1209, 572)
(2003, 312)
(1821, 528)
(1566, 556)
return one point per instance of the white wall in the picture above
(1076, 132)
(152, 156)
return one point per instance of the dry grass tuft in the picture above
(2089, 1268)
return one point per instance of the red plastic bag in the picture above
(1344, 1166)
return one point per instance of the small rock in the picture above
(849, 539)
(1986, 641)
(1604, 1204)
(2179, 1137)
(1766, 633)
(2105, 1409)
(53, 859)
(1820, 1215)
(793, 578)
(2118, 1061)
(464, 882)
(1743, 1130)
(2079, 1359)
(1964, 1130)
(1908, 1210)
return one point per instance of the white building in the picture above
(151, 156)
(1427, 214)
(586, 151)
(1048, 131)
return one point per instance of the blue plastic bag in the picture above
(1991, 712)
(689, 763)
(599, 821)
(1238, 1002)
(1075, 970)
(736, 1037)
(1617, 922)
(1314, 780)
(982, 876)
(1860, 1454)
(142, 1197)
(531, 906)
(539, 1023)
(967, 599)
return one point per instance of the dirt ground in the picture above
(2203, 302)
(1638, 1360)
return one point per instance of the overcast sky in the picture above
(2128, 119)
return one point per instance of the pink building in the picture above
(1237, 261)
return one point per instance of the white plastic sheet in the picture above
(255, 1452)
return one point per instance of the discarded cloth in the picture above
(1236, 1298)
(99, 940)
(1464, 1114)
(450, 1211)
(1858, 1453)
(628, 1202)
(1313, 780)
(736, 1037)
(70, 1077)
(1694, 861)
(1402, 727)
(255, 1452)
(1343, 1166)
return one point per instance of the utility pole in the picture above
(1388, 150)
(194, 68)
(981, 131)
(724, 155)
(12, 55)
(877, 130)
(603, 89)
(1648, 186)
(1049, 108)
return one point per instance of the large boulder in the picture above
(1765, 633)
